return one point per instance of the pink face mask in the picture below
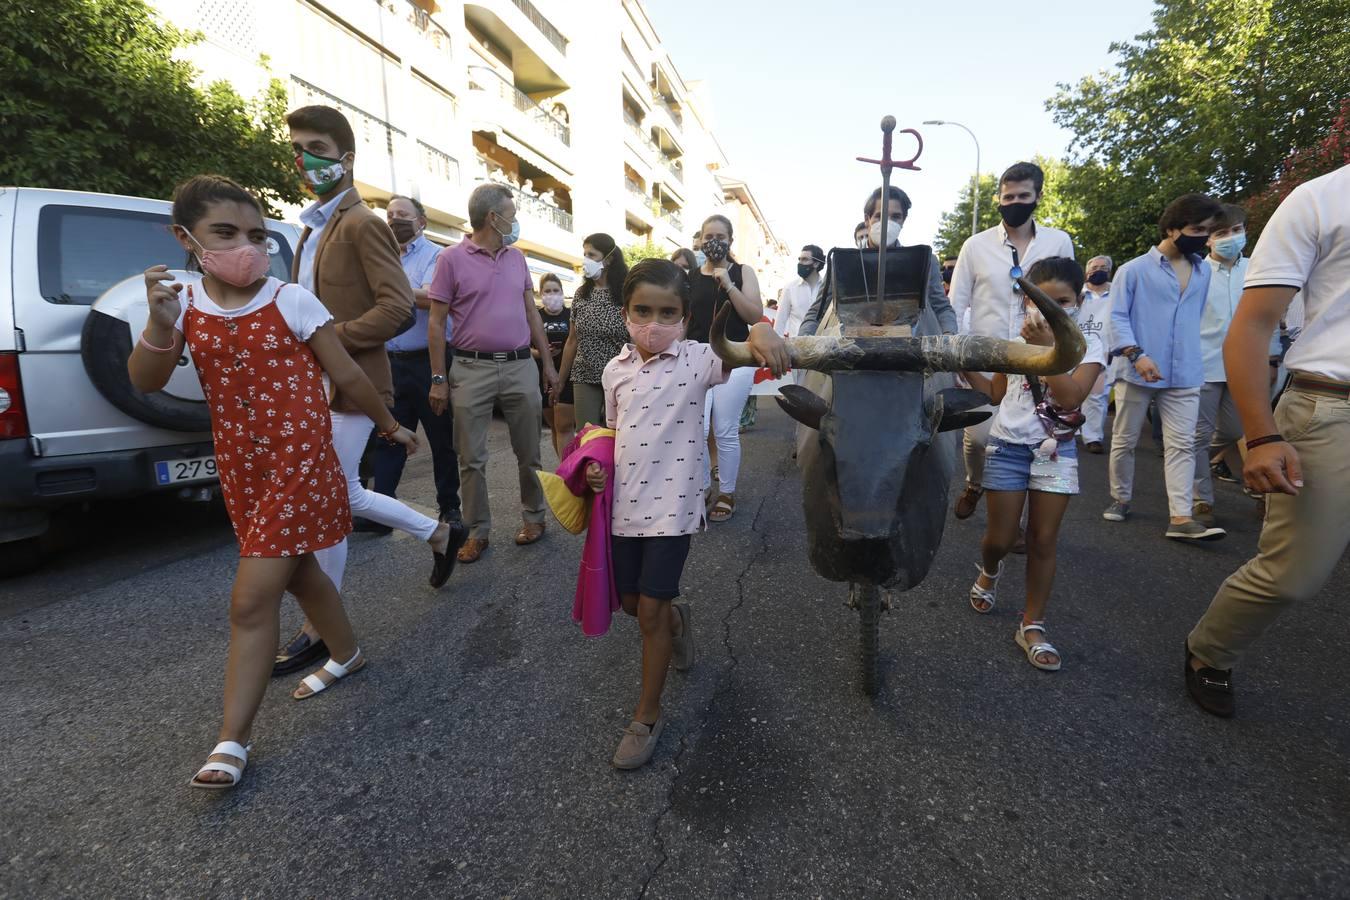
(240, 266)
(653, 336)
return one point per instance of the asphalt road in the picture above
(471, 757)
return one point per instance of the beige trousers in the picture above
(588, 404)
(475, 386)
(1303, 537)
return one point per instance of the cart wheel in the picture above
(868, 598)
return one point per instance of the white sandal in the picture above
(224, 748)
(980, 595)
(338, 670)
(1039, 647)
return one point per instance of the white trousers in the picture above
(1179, 409)
(1094, 410)
(351, 431)
(723, 415)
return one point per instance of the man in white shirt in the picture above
(796, 297)
(1297, 455)
(1094, 318)
(984, 286)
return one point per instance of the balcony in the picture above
(517, 31)
(486, 81)
(375, 138)
(536, 207)
(438, 163)
(555, 37)
(672, 218)
(436, 37)
(639, 201)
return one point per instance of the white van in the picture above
(72, 428)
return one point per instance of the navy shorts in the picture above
(650, 565)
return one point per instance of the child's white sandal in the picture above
(1035, 649)
(985, 596)
(338, 670)
(224, 748)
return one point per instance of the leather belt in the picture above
(409, 354)
(1316, 384)
(499, 356)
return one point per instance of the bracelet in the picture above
(1276, 438)
(388, 436)
(151, 347)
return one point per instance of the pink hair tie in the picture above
(151, 347)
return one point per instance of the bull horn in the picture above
(945, 353)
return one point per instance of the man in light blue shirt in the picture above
(411, 366)
(1158, 300)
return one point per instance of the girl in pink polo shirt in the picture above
(655, 391)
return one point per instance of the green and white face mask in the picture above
(322, 173)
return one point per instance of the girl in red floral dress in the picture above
(261, 347)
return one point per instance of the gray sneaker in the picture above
(1194, 531)
(1117, 512)
(638, 744)
(1203, 513)
(683, 645)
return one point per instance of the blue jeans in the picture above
(1014, 467)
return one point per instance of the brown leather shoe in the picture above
(969, 499)
(529, 533)
(473, 549)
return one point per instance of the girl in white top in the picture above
(1031, 458)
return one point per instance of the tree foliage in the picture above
(1212, 98)
(954, 227)
(635, 253)
(95, 101)
(1327, 155)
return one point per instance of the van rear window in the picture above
(83, 251)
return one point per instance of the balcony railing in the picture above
(438, 163)
(674, 172)
(555, 37)
(534, 206)
(428, 30)
(673, 218)
(663, 101)
(484, 79)
(368, 129)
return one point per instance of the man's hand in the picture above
(1273, 469)
(1147, 369)
(552, 383)
(1035, 330)
(162, 297)
(769, 350)
(439, 398)
(595, 477)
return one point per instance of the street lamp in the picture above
(975, 186)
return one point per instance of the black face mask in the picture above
(1191, 244)
(947, 275)
(1099, 277)
(1016, 214)
(805, 269)
(404, 230)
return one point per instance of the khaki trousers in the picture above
(475, 385)
(588, 404)
(1303, 537)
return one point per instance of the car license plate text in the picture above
(173, 471)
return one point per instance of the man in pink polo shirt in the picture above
(484, 285)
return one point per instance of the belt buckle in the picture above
(501, 356)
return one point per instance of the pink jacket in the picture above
(566, 491)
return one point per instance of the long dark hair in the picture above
(688, 256)
(616, 269)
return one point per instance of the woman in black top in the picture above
(719, 281)
(599, 327)
(558, 412)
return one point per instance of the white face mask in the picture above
(553, 301)
(892, 232)
(591, 268)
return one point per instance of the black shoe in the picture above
(365, 526)
(300, 652)
(1211, 689)
(452, 516)
(1221, 471)
(1093, 447)
(444, 563)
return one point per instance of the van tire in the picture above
(20, 557)
(105, 347)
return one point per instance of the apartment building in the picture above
(575, 106)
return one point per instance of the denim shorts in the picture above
(1014, 467)
(650, 565)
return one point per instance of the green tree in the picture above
(1327, 155)
(954, 227)
(1212, 98)
(95, 101)
(635, 253)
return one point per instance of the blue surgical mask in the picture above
(700, 257)
(1229, 247)
(509, 237)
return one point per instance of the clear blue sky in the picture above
(798, 90)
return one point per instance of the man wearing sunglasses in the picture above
(984, 292)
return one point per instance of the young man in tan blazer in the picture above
(348, 257)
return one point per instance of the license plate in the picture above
(174, 471)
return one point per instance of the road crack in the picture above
(724, 679)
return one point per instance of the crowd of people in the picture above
(381, 331)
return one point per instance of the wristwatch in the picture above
(438, 379)
(1133, 354)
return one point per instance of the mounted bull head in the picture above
(877, 470)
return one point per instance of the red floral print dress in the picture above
(283, 486)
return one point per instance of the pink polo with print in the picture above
(656, 408)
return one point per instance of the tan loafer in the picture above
(638, 744)
(472, 550)
(529, 533)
